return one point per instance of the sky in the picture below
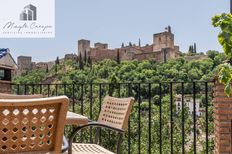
(117, 21)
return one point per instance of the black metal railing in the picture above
(167, 117)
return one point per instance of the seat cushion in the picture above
(79, 148)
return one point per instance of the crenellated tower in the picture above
(83, 46)
(163, 40)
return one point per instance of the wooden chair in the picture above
(32, 126)
(114, 115)
(13, 96)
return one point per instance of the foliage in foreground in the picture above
(224, 21)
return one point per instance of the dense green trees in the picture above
(218, 58)
(131, 71)
(212, 54)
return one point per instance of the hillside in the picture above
(127, 71)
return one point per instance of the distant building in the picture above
(161, 50)
(7, 68)
(41, 65)
(24, 64)
(70, 57)
(188, 102)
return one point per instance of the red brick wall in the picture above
(99, 54)
(144, 56)
(222, 120)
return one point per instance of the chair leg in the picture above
(119, 142)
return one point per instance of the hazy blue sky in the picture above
(120, 21)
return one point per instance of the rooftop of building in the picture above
(6, 60)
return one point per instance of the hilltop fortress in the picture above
(161, 50)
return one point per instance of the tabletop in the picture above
(76, 119)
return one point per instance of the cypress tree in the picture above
(81, 62)
(56, 68)
(190, 49)
(56, 64)
(57, 61)
(89, 62)
(47, 69)
(122, 45)
(195, 48)
(118, 57)
(85, 56)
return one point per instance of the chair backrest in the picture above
(115, 112)
(12, 96)
(32, 125)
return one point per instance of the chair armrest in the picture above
(65, 145)
(97, 124)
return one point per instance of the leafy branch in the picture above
(224, 21)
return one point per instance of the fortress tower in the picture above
(83, 45)
(24, 62)
(163, 40)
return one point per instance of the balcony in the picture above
(157, 124)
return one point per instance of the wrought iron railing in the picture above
(158, 124)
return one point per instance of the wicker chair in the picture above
(114, 115)
(13, 96)
(32, 126)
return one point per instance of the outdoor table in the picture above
(76, 119)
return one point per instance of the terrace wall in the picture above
(222, 120)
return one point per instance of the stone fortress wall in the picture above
(162, 49)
